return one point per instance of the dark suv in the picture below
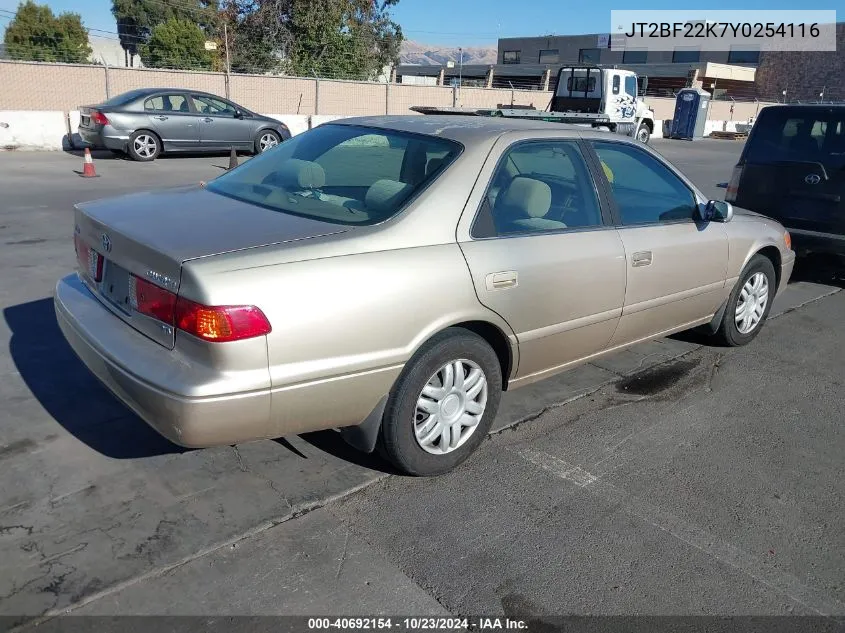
(793, 170)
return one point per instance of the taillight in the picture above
(99, 118)
(217, 324)
(220, 323)
(733, 185)
(90, 261)
(149, 299)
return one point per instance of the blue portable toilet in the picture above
(691, 106)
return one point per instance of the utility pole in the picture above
(460, 75)
(228, 68)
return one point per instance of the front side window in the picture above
(539, 186)
(631, 85)
(644, 189)
(341, 174)
(510, 57)
(616, 84)
(210, 105)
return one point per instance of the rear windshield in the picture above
(123, 98)
(340, 173)
(797, 134)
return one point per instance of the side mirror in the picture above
(239, 114)
(717, 211)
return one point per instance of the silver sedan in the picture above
(144, 123)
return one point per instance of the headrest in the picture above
(525, 197)
(433, 165)
(300, 174)
(385, 195)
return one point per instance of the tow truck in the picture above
(600, 97)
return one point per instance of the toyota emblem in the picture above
(106, 243)
(812, 179)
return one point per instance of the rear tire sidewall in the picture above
(130, 148)
(728, 333)
(397, 441)
(262, 133)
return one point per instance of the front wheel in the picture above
(266, 139)
(442, 405)
(643, 133)
(749, 303)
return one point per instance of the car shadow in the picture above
(827, 270)
(65, 388)
(332, 443)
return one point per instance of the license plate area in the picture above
(115, 286)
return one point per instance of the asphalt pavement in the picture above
(673, 478)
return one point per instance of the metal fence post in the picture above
(316, 94)
(387, 98)
(106, 73)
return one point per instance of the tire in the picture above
(144, 139)
(403, 419)
(263, 140)
(732, 330)
(643, 134)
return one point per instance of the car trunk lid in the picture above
(150, 236)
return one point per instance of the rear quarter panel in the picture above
(344, 326)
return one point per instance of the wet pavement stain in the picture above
(657, 379)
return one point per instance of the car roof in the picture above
(143, 92)
(461, 128)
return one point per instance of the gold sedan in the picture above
(391, 276)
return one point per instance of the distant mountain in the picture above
(423, 54)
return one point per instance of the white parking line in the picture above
(779, 581)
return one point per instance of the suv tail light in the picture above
(733, 185)
(99, 118)
(218, 324)
(90, 261)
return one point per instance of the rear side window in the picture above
(799, 134)
(166, 103)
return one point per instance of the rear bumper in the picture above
(110, 349)
(104, 138)
(806, 242)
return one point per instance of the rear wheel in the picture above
(144, 146)
(266, 139)
(442, 405)
(749, 303)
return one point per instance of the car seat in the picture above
(523, 206)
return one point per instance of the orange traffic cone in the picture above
(88, 166)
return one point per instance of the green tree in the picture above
(331, 38)
(176, 44)
(136, 19)
(36, 34)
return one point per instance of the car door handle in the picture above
(207, 120)
(503, 279)
(642, 258)
(161, 118)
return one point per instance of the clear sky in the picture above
(475, 22)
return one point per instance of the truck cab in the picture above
(611, 95)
